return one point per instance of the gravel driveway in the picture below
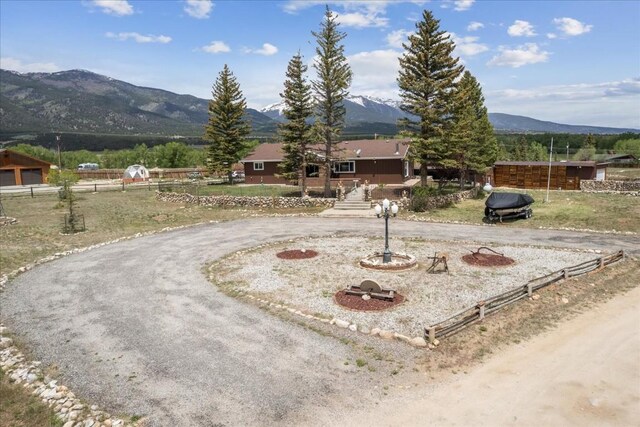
(136, 327)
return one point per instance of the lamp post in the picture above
(386, 210)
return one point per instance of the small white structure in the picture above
(135, 173)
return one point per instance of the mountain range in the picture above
(79, 101)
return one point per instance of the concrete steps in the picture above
(349, 205)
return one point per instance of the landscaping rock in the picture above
(366, 297)
(387, 335)
(375, 331)
(418, 342)
(353, 328)
(342, 323)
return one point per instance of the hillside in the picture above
(79, 101)
(85, 102)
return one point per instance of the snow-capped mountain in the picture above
(360, 109)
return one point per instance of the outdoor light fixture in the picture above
(386, 210)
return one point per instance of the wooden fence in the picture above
(476, 313)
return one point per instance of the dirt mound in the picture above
(297, 254)
(355, 302)
(487, 260)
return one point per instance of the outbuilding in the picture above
(563, 176)
(20, 169)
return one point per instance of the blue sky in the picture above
(574, 62)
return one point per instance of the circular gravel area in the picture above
(310, 285)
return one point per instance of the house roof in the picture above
(25, 156)
(569, 163)
(361, 149)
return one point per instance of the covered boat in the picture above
(508, 205)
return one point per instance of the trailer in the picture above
(501, 206)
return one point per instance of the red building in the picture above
(375, 160)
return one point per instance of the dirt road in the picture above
(586, 372)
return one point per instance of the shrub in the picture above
(59, 177)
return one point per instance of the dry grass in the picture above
(527, 318)
(19, 409)
(108, 215)
(602, 212)
(623, 174)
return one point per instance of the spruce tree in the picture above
(472, 144)
(330, 89)
(427, 79)
(295, 131)
(227, 127)
(521, 150)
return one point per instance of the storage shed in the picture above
(20, 169)
(564, 175)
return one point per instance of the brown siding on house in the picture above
(564, 176)
(266, 176)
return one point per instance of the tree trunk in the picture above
(303, 179)
(423, 173)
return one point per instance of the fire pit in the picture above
(481, 259)
(297, 254)
(398, 262)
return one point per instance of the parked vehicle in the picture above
(501, 206)
(88, 167)
(195, 175)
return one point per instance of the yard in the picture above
(566, 209)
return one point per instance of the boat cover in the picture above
(508, 200)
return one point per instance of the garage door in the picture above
(7, 178)
(31, 176)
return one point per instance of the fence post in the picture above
(600, 263)
(32, 192)
(432, 334)
(565, 274)
(481, 307)
(149, 182)
(122, 185)
(95, 188)
(529, 290)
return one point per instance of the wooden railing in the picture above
(464, 318)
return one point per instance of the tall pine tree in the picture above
(227, 127)
(330, 89)
(295, 131)
(427, 80)
(477, 148)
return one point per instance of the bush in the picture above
(59, 177)
(420, 198)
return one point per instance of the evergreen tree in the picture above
(427, 79)
(295, 131)
(471, 144)
(521, 150)
(589, 141)
(227, 128)
(330, 89)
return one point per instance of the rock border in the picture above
(407, 263)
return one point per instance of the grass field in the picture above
(108, 215)
(602, 212)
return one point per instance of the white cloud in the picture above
(474, 26)
(520, 29)
(375, 73)
(294, 6)
(216, 47)
(598, 104)
(396, 38)
(267, 50)
(528, 53)
(458, 5)
(572, 27)
(468, 46)
(551, 36)
(139, 38)
(362, 20)
(114, 7)
(199, 9)
(14, 64)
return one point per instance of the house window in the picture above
(258, 166)
(312, 171)
(344, 167)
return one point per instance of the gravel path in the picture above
(136, 327)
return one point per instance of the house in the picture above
(375, 160)
(20, 169)
(621, 160)
(564, 175)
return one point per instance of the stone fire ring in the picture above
(398, 262)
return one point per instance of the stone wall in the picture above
(435, 202)
(246, 201)
(592, 186)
